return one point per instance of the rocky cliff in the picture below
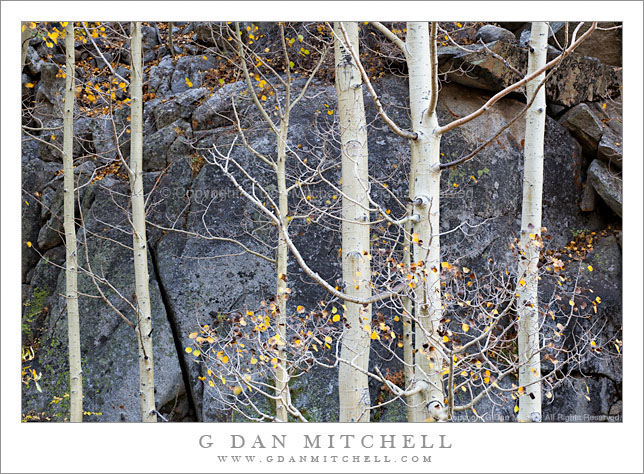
(193, 278)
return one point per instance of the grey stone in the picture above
(180, 106)
(193, 69)
(103, 138)
(610, 113)
(608, 185)
(605, 45)
(491, 33)
(160, 76)
(217, 110)
(157, 145)
(33, 62)
(585, 126)
(577, 79)
(587, 203)
(610, 148)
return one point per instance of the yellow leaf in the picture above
(29, 244)
(253, 361)
(590, 268)
(29, 85)
(465, 327)
(328, 339)
(414, 237)
(300, 309)
(516, 408)
(237, 390)
(189, 82)
(445, 339)
(196, 353)
(211, 383)
(593, 343)
(336, 318)
(188, 350)
(522, 282)
(374, 335)
(224, 360)
(263, 97)
(446, 265)
(192, 335)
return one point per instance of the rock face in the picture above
(197, 273)
(598, 127)
(491, 33)
(108, 345)
(577, 79)
(607, 184)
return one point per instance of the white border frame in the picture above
(96, 447)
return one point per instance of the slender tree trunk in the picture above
(71, 265)
(527, 288)
(281, 373)
(26, 35)
(144, 317)
(170, 41)
(408, 322)
(356, 270)
(425, 160)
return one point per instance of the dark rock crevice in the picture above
(169, 311)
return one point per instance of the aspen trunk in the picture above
(170, 41)
(408, 323)
(356, 270)
(26, 35)
(281, 373)
(425, 172)
(527, 288)
(71, 262)
(144, 317)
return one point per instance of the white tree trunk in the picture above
(527, 287)
(281, 373)
(408, 307)
(144, 320)
(71, 262)
(356, 269)
(25, 36)
(425, 172)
